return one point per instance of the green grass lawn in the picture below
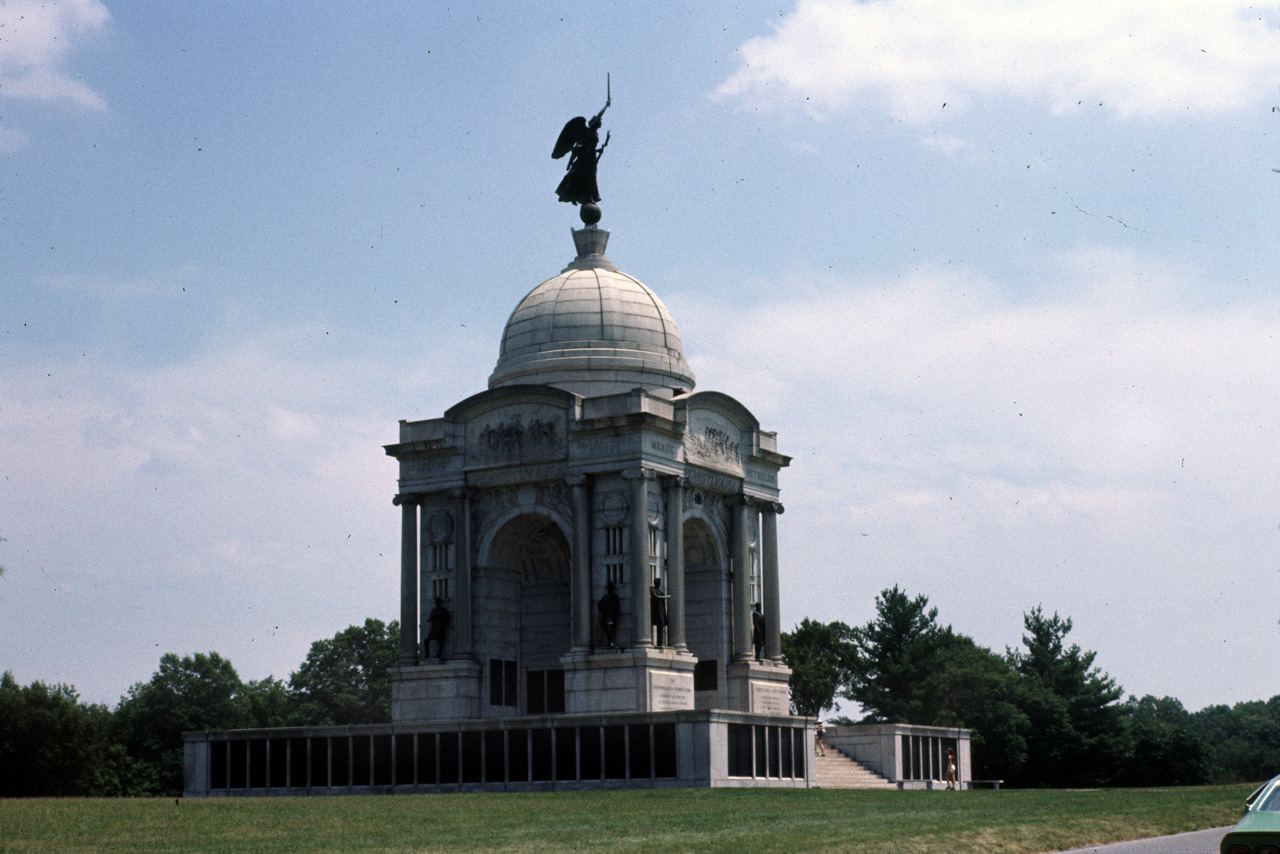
(743, 821)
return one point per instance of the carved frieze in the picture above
(517, 434)
(713, 441)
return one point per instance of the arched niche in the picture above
(533, 552)
(707, 603)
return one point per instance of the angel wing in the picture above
(574, 130)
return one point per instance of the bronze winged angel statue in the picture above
(578, 140)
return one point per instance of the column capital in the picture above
(406, 499)
(575, 480)
(675, 481)
(639, 474)
(772, 507)
(740, 500)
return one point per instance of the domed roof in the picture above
(592, 330)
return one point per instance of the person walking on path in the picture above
(817, 740)
(951, 770)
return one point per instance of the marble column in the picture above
(580, 590)
(674, 487)
(408, 577)
(743, 507)
(461, 624)
(638, 559)
(769, 570)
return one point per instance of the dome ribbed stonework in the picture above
(592, 330)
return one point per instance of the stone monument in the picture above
(590, 462)
(588, 571)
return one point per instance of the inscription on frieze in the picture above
(759, 474)
(711, 480)
(661, 447)
(521, 474)
(601, 446)
(411, 468)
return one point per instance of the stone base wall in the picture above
(542, 753)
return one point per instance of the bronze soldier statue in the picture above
(658, 616)
(610, 607)
(757, 630)
(439, 620)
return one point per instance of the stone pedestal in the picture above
(633, 680)
(435, 690)
(759, 687)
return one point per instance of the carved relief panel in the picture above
(522, 433)
(713, 441)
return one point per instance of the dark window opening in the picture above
(705, 676)
(589, 753)
(739, 750)
(495, 756)
(449, 757)
(319, 762)
(382, 760)
(518, 755)
(218, 765)
(297, 762)
(471, 769)
(404, 759)
(638, 744)
(615, 752)
(541, 754)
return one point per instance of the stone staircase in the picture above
(837, 771)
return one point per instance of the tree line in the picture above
(53, 744)
(1041, 714)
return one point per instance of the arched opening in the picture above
(535, 553)
(707, 609)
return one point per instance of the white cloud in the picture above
(1137, 58)
(36, 38)
(1108, 448)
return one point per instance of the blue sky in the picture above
(1002, 276)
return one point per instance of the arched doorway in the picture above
(706, 612)
(535, 553)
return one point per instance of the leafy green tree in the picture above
(971, 686)
(893, 655)
(821, 658)
(270, 704)
(51, 744)
(1077, 726)
(196, 692)
(1163, 749)
(347, 679)
(1243, 740)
